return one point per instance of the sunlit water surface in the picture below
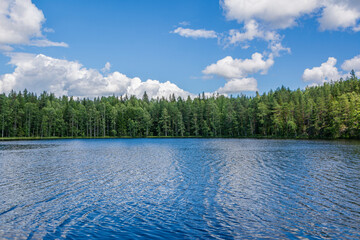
(179, 188)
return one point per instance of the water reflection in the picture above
(23, 146)
(179, 188)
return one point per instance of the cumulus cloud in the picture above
(61, 77)
(352, 64)
(235, 71)
(20, 23)
(325, 73)
(252, 31)
(277, 47)
(329, 72)
(281, 14)
(277, 14)
(238, 85)
(230, 68)
(195, 33)
(340, 15)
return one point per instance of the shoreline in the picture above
(7, 139)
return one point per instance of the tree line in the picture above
(328, 111)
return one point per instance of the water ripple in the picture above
(179, 188)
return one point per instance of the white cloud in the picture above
(253, 31)
(329, 72)
(20, 23)
(262, 19)
(277, 14)
(356, 29)
(340, 15)
(107, 67)
(325, 73)
(352, 64)
(47, 43)
(230, 68)
(239, 85)
(276, 48)
(281, 14)
(235, 71)
(49, 30)
(5, 48)
(198, 33)
(61, 77)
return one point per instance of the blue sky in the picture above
(230, 53)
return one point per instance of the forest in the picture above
(329, 111)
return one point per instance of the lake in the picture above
(179, 189)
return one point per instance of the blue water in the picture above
(179, 189)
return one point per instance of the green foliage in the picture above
(328, 111)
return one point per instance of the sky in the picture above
(98, 48)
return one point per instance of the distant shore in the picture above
(167, 137)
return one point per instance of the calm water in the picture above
(179, 188)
